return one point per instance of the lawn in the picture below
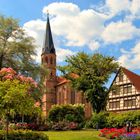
(74, 135)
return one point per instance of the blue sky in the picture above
(111, 27)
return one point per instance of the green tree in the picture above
(93, 72)
(16, 94)
(17, 50)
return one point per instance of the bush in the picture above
(61, 114)
(98, 120)
(117, 120)
(65, 126)
(66, 117)
(24, 135)
(66, 112)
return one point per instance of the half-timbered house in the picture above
(124, 92)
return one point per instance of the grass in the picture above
(74, 135)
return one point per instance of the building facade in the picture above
(124, 92)
(58, 89)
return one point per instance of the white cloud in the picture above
(135, 7)
(63, 53)
(116, 6)
(94, 45)
(120, 31)
(131, 59)
(62, 8)
(72, 26)
(36, 29)
(77, 27)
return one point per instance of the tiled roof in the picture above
(134, 78)
(61, 80)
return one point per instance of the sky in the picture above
(110, 27)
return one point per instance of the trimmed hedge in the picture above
(24, 135)
(117, 120)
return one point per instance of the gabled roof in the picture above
(48, 46)
(134, 78)
(62, 80)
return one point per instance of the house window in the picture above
(129, 102)
(127, 89)
(114, 104)
(116, 90)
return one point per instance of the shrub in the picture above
(66, 114)
(24, 135)
(116, 120)
(65, 126)
(98, 120)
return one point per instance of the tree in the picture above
(93, 72)
(17, 50)
(16, 94)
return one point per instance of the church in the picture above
(124, 93)
(58, 89)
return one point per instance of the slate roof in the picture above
(48, 46)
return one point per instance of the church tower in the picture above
(48, 58)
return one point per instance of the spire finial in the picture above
(47, 14)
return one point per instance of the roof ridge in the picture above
(133, 77)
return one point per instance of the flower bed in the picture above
(120, 134)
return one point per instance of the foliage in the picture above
(24, 135)
(29, 126)
(116, 120)
(16, 93)
(64, 126)
(99, 120)
(66, 117)
(17, 50)
(69, 113)
(92, 73)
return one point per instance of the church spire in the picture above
(48, 46)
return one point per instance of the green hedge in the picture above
(65, 114)
(106, 119)
(71, 113)
(24, 135)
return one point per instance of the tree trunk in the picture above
(7, 125)
(1, 61)
(22, 119)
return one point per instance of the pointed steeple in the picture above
(48, 46)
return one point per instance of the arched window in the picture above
(51, 60)
(46, 58)
(51, 75)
